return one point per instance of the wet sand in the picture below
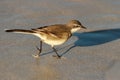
(90, 55)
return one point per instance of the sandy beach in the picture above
(93, 54)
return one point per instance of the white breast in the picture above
(54, 42)
(51, 42)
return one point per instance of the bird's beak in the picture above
(83, 27)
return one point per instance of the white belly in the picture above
(51, 42)
(54, 42)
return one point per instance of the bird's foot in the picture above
(57, 56)
(36, 56)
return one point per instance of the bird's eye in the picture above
(76, 26)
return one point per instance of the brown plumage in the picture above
(53, 34)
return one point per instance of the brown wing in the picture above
(54, 30)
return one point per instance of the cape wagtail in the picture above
(52, 35)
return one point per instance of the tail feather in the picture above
(20, 31)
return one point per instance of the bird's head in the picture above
(75, 25)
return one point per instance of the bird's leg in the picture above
(56, 53)
(39, 49)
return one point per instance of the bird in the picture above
(53, 35)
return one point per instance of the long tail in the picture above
(20, 31)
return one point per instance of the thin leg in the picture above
(56, 52)
(39, 49)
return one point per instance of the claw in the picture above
(58, 57)
(36, 56)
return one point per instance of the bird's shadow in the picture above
(93, 38)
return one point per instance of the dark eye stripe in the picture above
(76, 26)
